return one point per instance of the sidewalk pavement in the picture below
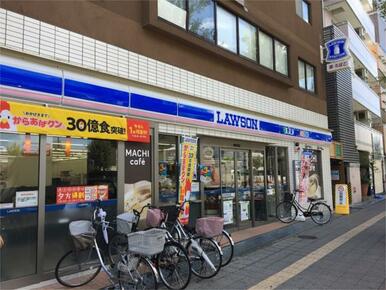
(246, 241)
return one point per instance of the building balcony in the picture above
(359, 48)
(352, 11)
(366, 98)
(363, 137)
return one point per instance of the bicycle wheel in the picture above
(227, 246)
(286, 212)
(136, 272)
(205, 257)
(117, 248)
(320, 213)
(77, 268)
(174, 266)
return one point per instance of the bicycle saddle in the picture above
(311, 199)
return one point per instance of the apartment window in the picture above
(265, 50)
(201, 18)
(173, 11)
(303, 10)
(247, 39)
(281, 59)
(217, 25)
(306, 76)
(226, 30)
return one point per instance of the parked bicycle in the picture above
(318, 210)
(172, 263)
(204, 252)
(134, 270)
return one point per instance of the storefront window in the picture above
(282, 173)
(310, 175)
(201, 18)
(19, 177)
(168, 171)
(78, 172)
(271, 181)
(210, 177)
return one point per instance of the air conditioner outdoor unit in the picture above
(363, 116)
(362, 73)
(361, 32)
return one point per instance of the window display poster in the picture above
(309, 176)
(188, 163)
(73, 194)
(26, 198)
(228, 211)
(244, 210)
(137, 176)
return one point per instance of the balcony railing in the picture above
(364, 95)
(359, 48)
(353, 10)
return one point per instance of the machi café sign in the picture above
(337, 54)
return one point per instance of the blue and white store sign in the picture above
(337, 54)
(37, 83)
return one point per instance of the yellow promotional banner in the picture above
(26, 118)
(188, 162)
(341, 199)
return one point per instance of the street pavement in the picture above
(347, 253)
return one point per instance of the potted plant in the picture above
(365, 182)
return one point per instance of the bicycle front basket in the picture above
(147, 243)
(125, 222)
(82, 234)
(209, 227)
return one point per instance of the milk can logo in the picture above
(336, 50)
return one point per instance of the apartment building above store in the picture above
(264, 61)
(355, 11)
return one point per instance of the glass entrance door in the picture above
(235, 187)
(243, 187)
(258, 185)
(228, 186)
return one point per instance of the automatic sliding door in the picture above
(258, 185)
(228, 186)
(243, 186)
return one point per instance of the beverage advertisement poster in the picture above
(188, 162)
(310, 183)
(137, 176)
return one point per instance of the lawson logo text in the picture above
(237, 121)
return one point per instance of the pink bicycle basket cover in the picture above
(209, 226)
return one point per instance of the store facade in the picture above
(59, 152)
(259, 119)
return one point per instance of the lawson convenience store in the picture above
(69, 137)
